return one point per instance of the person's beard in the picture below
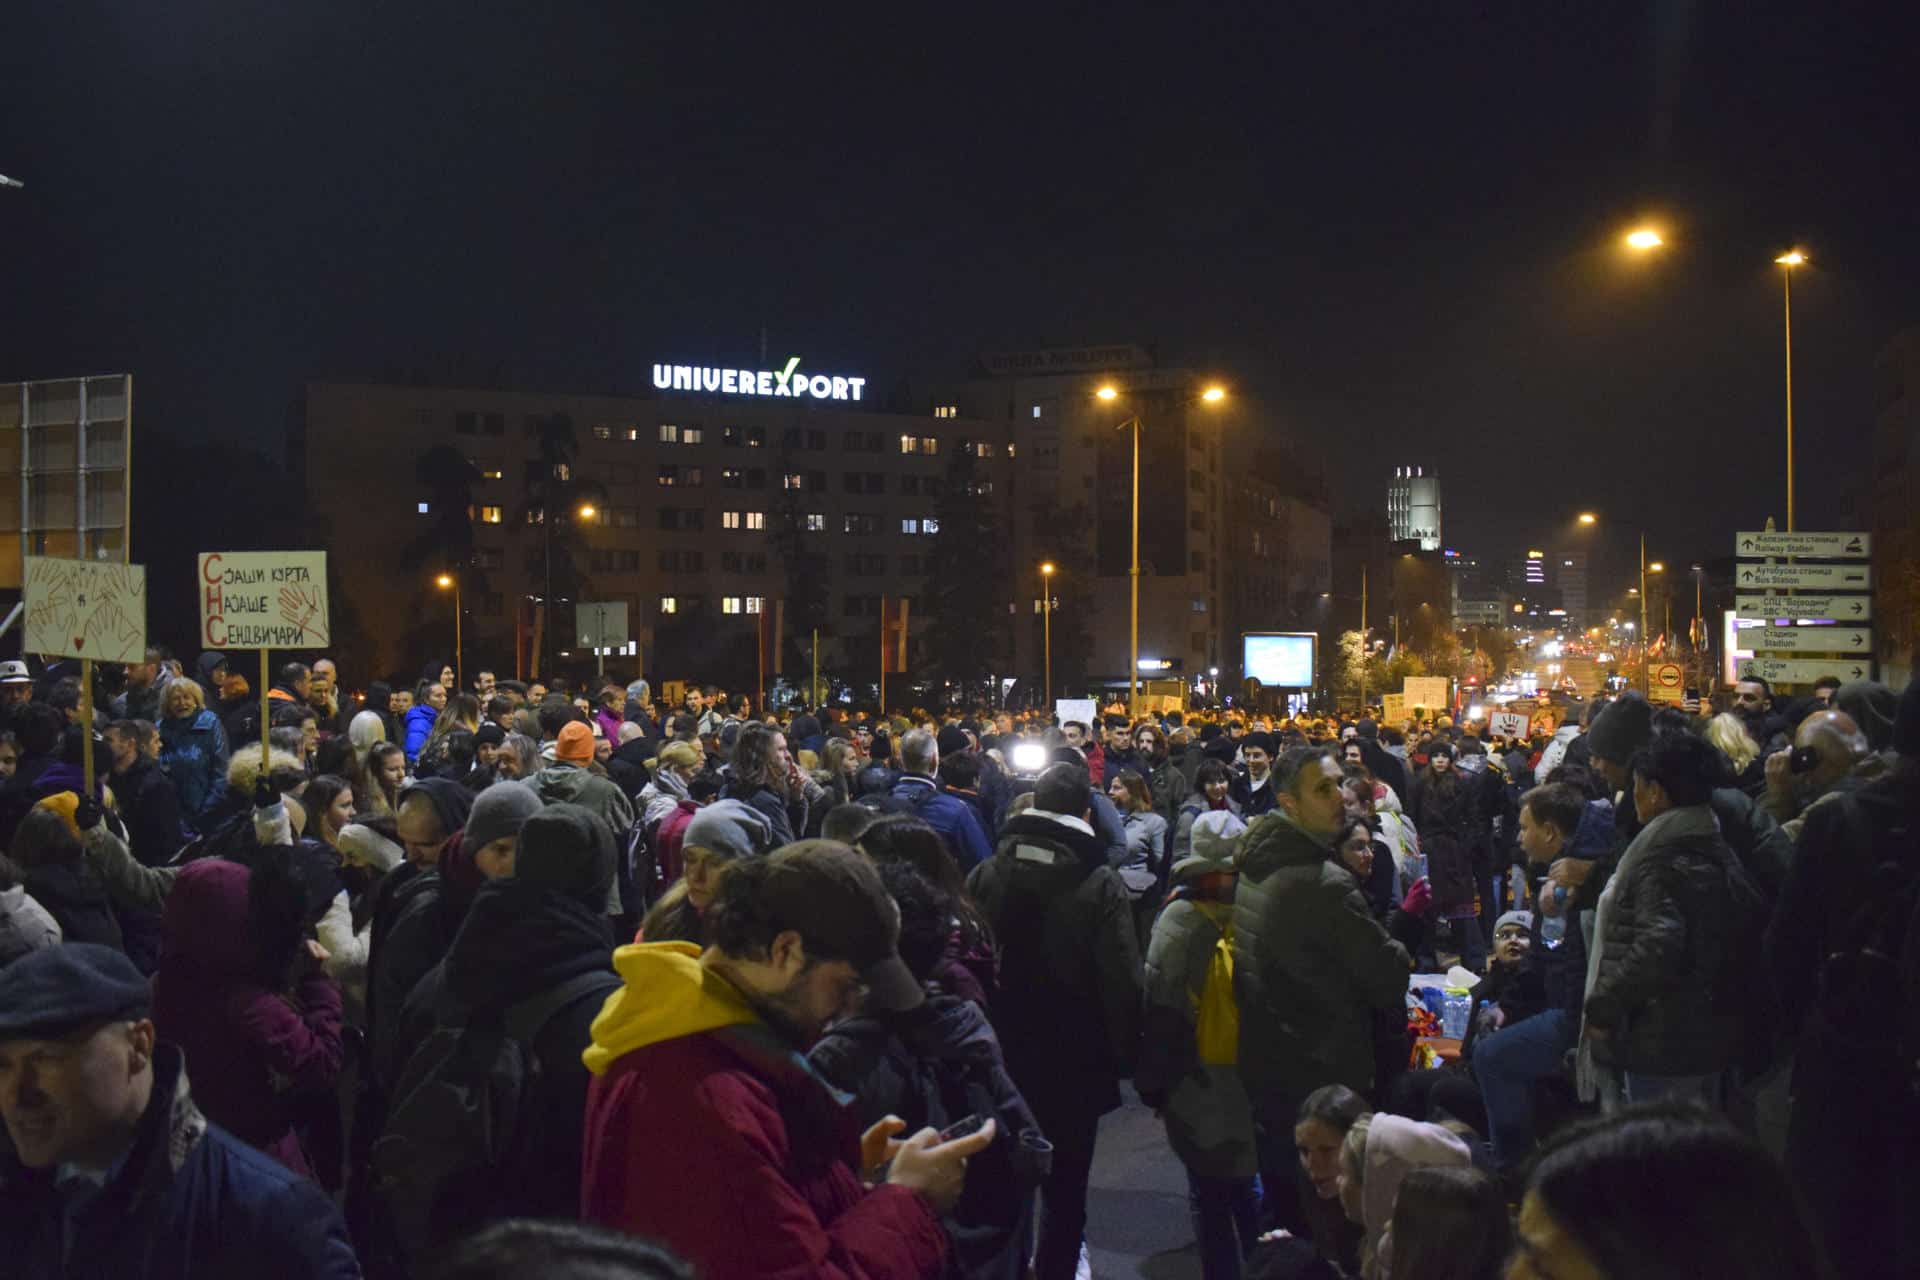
(782, 1012)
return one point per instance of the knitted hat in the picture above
(952, 740)
(1522, 918)
(575, 743)
(1622, 729)
(490, 735)
(730, 828)
(1216, 836)
(499, 812)
(564, 847)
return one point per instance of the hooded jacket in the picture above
(1068, 1012)
(193, 751)
(1446, 815)
(892, 1062)
(1396, 1146)
(763, 1181)
(1555, 752)
(1310, 964)
(560, 783)
(152, 812)
(258, 1048)
(957, 821)
(188, 1201)
(517, 941)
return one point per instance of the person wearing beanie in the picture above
(573, 778)
(1617, 733)
(721, 833)
(493, 826)
(534, 955)
(145, 1185)
(1195, 1087)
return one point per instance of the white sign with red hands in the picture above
(263, 600)
(85, 609)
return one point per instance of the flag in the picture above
(893, 634)
(773, 626)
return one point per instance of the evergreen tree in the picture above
(966, 599)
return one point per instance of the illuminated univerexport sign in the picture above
(790, 381)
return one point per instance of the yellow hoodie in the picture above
(668, 994)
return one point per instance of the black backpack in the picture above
(1869, 986)
(455, 1123)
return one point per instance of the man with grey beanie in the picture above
(533, 960)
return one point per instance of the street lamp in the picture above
(586, 511)
(445, 581)
(1587, 517)
(1644, 239)
(1108, 392)
(1790, 259)
(1046, 608)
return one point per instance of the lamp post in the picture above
(1790, 259)
(444, 581)
(1046, 609)
(1212, 395)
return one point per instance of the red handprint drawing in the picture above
(300, 606)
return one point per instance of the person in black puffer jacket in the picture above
(1659, 1021)
(936, 1062)
(57, 874)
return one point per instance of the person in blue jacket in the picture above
(918, 791)
(421, 717)
(113, 1171)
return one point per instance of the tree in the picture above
(555, 495)
(966, 595)
(1063, 535)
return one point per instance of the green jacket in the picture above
(1310, 965)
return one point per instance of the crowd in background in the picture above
(522, 977)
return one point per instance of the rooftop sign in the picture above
(788, 382)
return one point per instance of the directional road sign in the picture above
(1804, 670)
(1819, 546)
(1848, 609)
(1819, 577)
(1807, 639)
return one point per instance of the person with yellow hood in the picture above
(706, 1128)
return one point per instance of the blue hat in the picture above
(48, 993)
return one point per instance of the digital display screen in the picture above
(1280, 660)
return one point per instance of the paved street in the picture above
(1137, 1223)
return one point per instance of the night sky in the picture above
(1394, 227)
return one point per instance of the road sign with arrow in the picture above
(1848, 609)
(1819, 577)
(1817, 546)
(1807, 639)
(1804, 670)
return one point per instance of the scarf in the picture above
(1594, 1077)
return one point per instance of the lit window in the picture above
(669, 433)
(929, 444)
(793, 480)
(983, 450)
(729, 604)
(753, 604)
(1009, 448)
(490, 473)
(816, 522)
(691, 435)
(909, 525)
(669, 604)
(756, 519)
(1036, 411)
(929, 525)
(603, 433)
(489, 515)
(946, 411)
(909, 444)
(729, 519)
(423, 508)
(669, 476)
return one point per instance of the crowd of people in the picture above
(533, 978)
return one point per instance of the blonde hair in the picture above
(1729, 733)
(189, 691)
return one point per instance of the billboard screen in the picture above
(1280, 659)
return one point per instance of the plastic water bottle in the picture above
(1453, 1023)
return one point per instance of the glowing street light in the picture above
(1046, 608)
(449, 581)
(1214, 395)
(1643, 239)
(1790, 259)
(1587, 517)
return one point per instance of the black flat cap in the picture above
(48, 993)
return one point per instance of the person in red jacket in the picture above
(708, 1130)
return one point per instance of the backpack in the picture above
(454, 1125)
(887, 802)
(1216, 1029)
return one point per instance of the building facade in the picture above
(1895, 500)
(1413, 507)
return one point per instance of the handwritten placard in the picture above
(85, 609)
(263, 600)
